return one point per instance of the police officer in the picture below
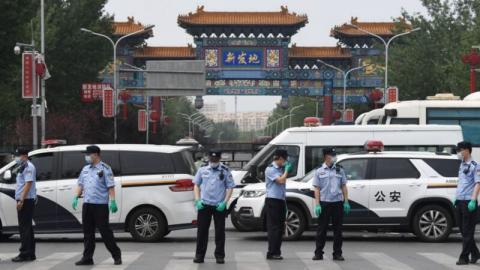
(25, 195)
(331, 202)
(213, 189)
(276, 176)
(466, 202)
(97, 185)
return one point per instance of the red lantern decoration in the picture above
(337, 115)
(124, 96)
(154, 117)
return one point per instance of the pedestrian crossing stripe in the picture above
(244, 260)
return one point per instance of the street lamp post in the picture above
(189, 118)
(345, 77)
(387, 45)
(291, 111)
(114, 45)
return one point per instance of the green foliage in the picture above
(429, 61)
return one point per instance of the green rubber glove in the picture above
(472, 205)
(346, 208)
(221, 206)
(199, 205)
(288, 167)
(75, 202)
(318, 210)
(113, 206)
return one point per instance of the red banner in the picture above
(348, 115)
(392, 94)
(27, 76)
(93, 91)
(142, 120)
(108, 106)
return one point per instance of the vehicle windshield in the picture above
(307, 177)
(257, 156)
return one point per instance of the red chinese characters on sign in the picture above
(108, 106)
(392, 95)
(142, 120)
(348, 115)
(27, 76)
(93, 91)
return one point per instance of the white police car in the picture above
(153, 190)
(388, 191)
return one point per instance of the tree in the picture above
(429, 61)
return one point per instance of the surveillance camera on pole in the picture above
(17, 50)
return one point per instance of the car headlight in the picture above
(253, 193)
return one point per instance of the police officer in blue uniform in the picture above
(96, 183)
(276, 176)
(213, 189)
(25, 195)
(466, 202)
(331, 202)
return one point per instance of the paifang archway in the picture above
(250, 53)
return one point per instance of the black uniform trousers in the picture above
(467, 221)
(25, 227)
(333, 211)
(276, 215)
(204, 218)
(96, 216)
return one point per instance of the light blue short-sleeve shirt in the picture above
(95, 181)
(468, 176)
(330, 181)
(213, 183)
(275, 190)
(28, 174)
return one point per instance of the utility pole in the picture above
(43, 101)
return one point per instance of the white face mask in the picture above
(88, 159)
(214, 164)
(18, 160)
(334, 159)
(460, 155)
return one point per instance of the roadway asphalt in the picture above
(244, 251)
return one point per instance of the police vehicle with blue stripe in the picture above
(388, 191)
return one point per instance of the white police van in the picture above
(153, 190)
(388, 191)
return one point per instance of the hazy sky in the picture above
(322, 16)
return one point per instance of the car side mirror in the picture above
(7, 175)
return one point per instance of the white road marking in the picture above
(383, 261)
(182, 261)
(49, 261)
(250, 260)
(446, 260)
(127, 259)
(310, 264)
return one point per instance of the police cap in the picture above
(280, 153)
(21, 152)
(92, 149)
(464, 145)
(329, 151)
(215, 153)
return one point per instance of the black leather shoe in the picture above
(84, 261)
(220, 260)
(474, 259)
(117, 261)
(274, 257)
(23, 259)
(338, 258)
(317, 257)
(462, 262)
(198, 260)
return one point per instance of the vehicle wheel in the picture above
(432, 223)
(5, 237)
(239, 226)
(147, 225)
(295, 223)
